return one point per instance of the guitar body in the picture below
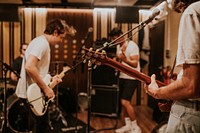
(36, 97)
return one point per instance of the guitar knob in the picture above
(83, 51)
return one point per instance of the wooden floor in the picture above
(143, 115)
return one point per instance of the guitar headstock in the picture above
(93, 57)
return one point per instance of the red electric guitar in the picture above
(100, 58)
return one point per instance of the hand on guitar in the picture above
(122, 57)
(35, 96)
(56, 79)
(49, 92)
(152, 88)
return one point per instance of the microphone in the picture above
(10, 68)
(162, 7)
(158, 12)
(155, 13)
(90, 30)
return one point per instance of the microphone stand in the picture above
(88, 83)
(76, 63)
(89, 87)
(59, 115)
(6, 67)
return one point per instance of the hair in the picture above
(115, 32)
(20, 49)
(181, 5)
(57, 24)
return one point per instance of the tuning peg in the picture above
(93, 60)
(103, 55)
(84, 61)
(103, 52)
(91, 49)
(83, 51)
(98, 63)
(97, 50)
(89, 63)
(95, 66)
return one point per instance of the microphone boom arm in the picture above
(10, 68)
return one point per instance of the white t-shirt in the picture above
(39, 47)
(189, 36)
(131, 50)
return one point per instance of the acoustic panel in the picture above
(9, 12)
(127, 14)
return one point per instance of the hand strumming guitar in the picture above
(152, 88)
(49, 92)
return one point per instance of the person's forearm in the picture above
(179, 89)
(132, 63)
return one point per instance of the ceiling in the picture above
(83, 3)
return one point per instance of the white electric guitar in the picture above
(37, 100)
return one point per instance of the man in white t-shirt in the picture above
(185, 91)
(128, 54)
(35, 67)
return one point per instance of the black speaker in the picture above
(104, 75)
(127, 14)
(67, 99)
(105, 100)
(9, 12)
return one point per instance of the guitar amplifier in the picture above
(105, 100)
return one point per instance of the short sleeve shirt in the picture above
(189, 36)
(38, 47)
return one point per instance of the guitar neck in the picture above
(61, 75)
(131, 72)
